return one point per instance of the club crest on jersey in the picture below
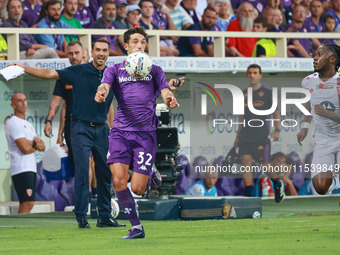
(328, 105)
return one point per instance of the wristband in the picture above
(306, 125)
(277, 130)
(50, 121)
(34, 144)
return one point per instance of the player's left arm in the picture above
(169, 98)
(323, 112)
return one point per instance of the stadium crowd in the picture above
(208, 15)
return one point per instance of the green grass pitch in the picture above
(296, 226)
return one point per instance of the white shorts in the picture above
(326, 155)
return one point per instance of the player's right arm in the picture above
(102, 92)
(40, 72)
(304, 131)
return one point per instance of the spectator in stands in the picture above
(199, 46)
(205, 187)
(329, 22)
(29, 48)
(334, 11)
(298, 47)
(106, 22)
(189, 6)
(70, 9)
(181, 19)
(225, 15)
(22, 143)
(147, 9)
(51, 19)
(306, 4)
(3, 11)
(277, 5)
(275, 179)
(272, 16)
(242, 47)
(163, 20)
(31, 12)
(264, 47)
(94, 6)
(258, 5)
(120, 22)
(314, 23)
(84, 14)
(133, 15)
(288, 10)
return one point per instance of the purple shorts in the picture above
(134, 148)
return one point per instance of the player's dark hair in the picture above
(255, 66)
(99, 40)
(277, 155)
(261, 20)
(134, 30)
(334, 49)
(72, 43)
(7, 6)
(143, 1)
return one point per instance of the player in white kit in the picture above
(324, 105)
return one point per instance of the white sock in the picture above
(335, 184)
(138, 227)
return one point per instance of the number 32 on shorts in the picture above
(142, 157)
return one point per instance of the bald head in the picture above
(19, 104)
(16, 97)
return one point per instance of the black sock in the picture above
(248, 190)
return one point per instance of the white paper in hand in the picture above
(11, 72)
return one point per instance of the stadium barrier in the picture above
(154, 38)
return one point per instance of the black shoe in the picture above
(279, 190)
(110, 222)
(83, 224)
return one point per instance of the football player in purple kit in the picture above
(133, 138)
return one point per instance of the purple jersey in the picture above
(311, 27)
(305, 42)
(31, 13)
(259, 5)
(85, 17)
(136, 98)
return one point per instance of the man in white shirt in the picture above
(324, 105)
(22, 143)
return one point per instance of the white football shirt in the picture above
(326, 93)
(18, 128)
